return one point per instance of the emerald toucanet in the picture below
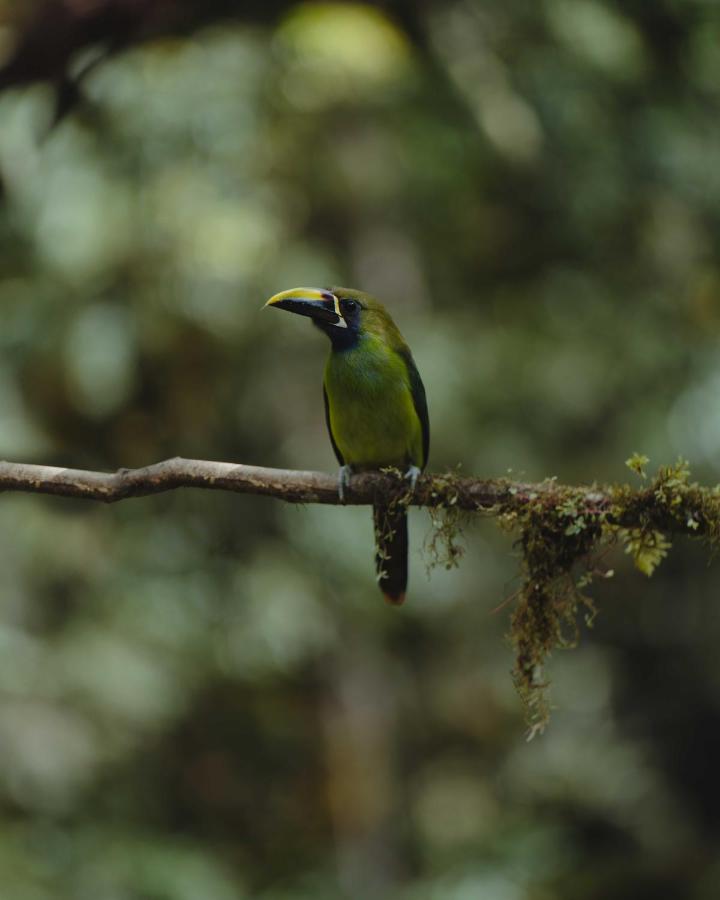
(375, 407)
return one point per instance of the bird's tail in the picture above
(391, 553)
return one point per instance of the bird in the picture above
(375, 408)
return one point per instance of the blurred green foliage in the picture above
(201, 695)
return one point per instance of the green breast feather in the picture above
(372, 414)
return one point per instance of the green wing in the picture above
(417, 390)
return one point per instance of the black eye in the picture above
(350, 305)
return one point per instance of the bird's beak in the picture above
(316, 303)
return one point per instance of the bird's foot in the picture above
(343, 481)
(412, 475)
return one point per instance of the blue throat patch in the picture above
(340, 338)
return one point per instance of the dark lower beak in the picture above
(313, 302)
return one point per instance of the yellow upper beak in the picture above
(313, 302)
(302, 293)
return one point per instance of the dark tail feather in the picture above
(391, 556)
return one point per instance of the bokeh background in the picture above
(202, 695)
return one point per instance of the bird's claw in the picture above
(412, 475)
(343, 481)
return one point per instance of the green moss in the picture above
(444, 545)
(557, 529)
(565, 534)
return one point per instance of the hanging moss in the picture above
(565, 534)
(444, 545)
(557, 529)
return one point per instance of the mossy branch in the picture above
(494, 496)
(563, 530)
(471, 494)
(565, 534)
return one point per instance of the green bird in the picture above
(375, 407)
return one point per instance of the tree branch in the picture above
(560, 527)
(285, 484)
(640, 508)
